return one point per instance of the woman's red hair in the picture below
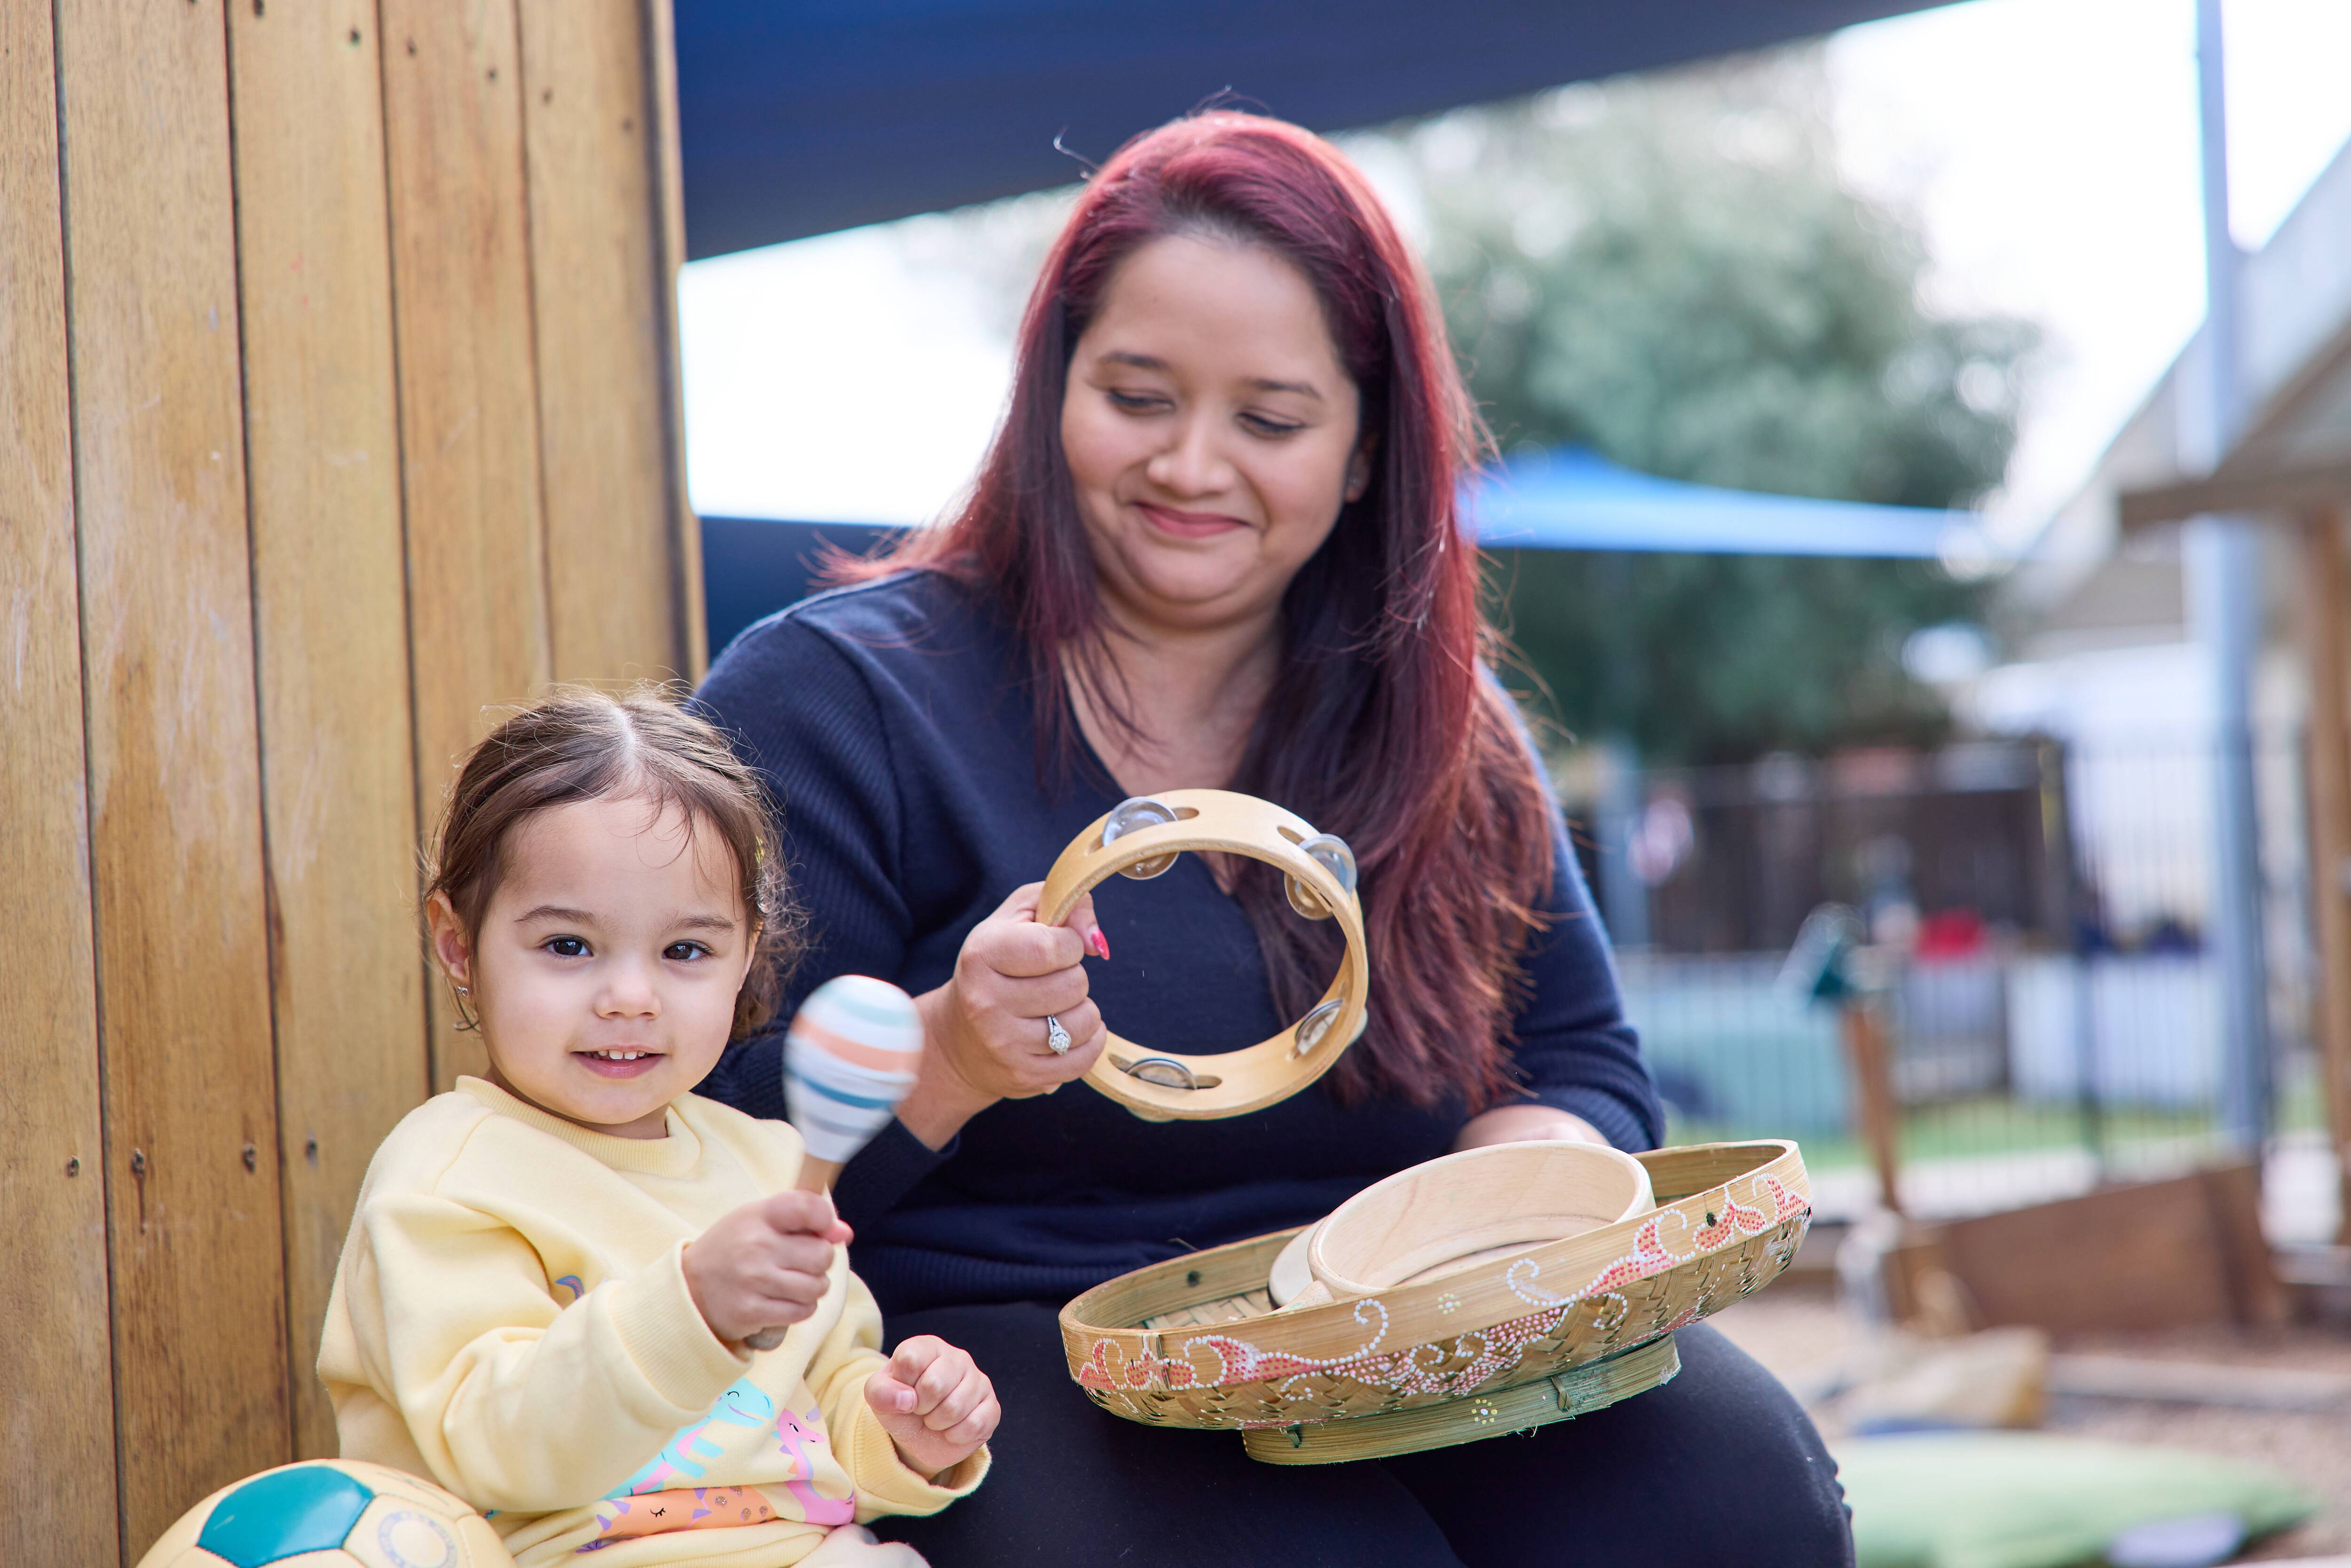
(1382, 726)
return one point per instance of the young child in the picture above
(544, 1297)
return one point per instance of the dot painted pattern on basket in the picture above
(1227, 1381)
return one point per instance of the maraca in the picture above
(849, 1058)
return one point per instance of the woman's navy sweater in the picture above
(892, 723)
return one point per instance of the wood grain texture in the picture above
(614, 574)
(339, 790)
(174, 787)
(661, 48)
(1473, 1205)
(57, 1497)
(468, 398)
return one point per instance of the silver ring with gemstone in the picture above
(1057, 1038)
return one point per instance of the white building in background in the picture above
(2104, 655)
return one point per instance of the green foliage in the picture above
(1669, 271)
(1712, 658)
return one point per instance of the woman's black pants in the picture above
(1718, 1467)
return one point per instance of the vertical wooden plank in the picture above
(2324, 609)
(661, 34)
(604, 350)
(174, 787)
(57, 1495)
(468, 404)
(339, 787)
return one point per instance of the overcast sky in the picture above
(2050, 145)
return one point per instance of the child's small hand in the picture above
(765, 1265)
(936, 1404)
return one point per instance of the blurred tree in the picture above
(1668, 270)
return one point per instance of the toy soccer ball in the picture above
(329, 1513)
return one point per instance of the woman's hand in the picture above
(935, 1402)
(1525, 1124)
(983, 1031)
(765, 1265)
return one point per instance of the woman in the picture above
(1216, 544)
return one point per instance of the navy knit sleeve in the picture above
(803, 715)
(1575, 1049)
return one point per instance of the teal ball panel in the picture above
(283, 1513)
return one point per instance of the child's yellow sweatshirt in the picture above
(510, 1318)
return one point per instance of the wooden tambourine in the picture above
(1141, 838)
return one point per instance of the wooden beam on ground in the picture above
(190, 1092)
(2288, 491)
(322, 436)
(2281, 1388)
(2326, 606)
(58, 1492)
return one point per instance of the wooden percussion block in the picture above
(1474, 1206)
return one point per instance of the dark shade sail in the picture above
(800, 117)
(752, 567)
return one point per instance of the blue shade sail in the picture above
(1568, 499)
(1571, 500)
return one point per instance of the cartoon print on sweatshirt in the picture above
(657, 1513)
(685, 1458)
(799, 1436)
(660, 1498)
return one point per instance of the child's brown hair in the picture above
(584, 745)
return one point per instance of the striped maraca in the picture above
(849, 1058)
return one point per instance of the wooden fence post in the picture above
(2329, 743)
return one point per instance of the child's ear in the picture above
(450, 949)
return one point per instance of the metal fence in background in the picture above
(2057, 1016)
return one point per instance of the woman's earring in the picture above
(460, 989)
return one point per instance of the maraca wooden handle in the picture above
(1231, 1082)
(815, 1176)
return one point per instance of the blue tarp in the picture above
(799, 117)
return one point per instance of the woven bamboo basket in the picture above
(1551, 1332)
